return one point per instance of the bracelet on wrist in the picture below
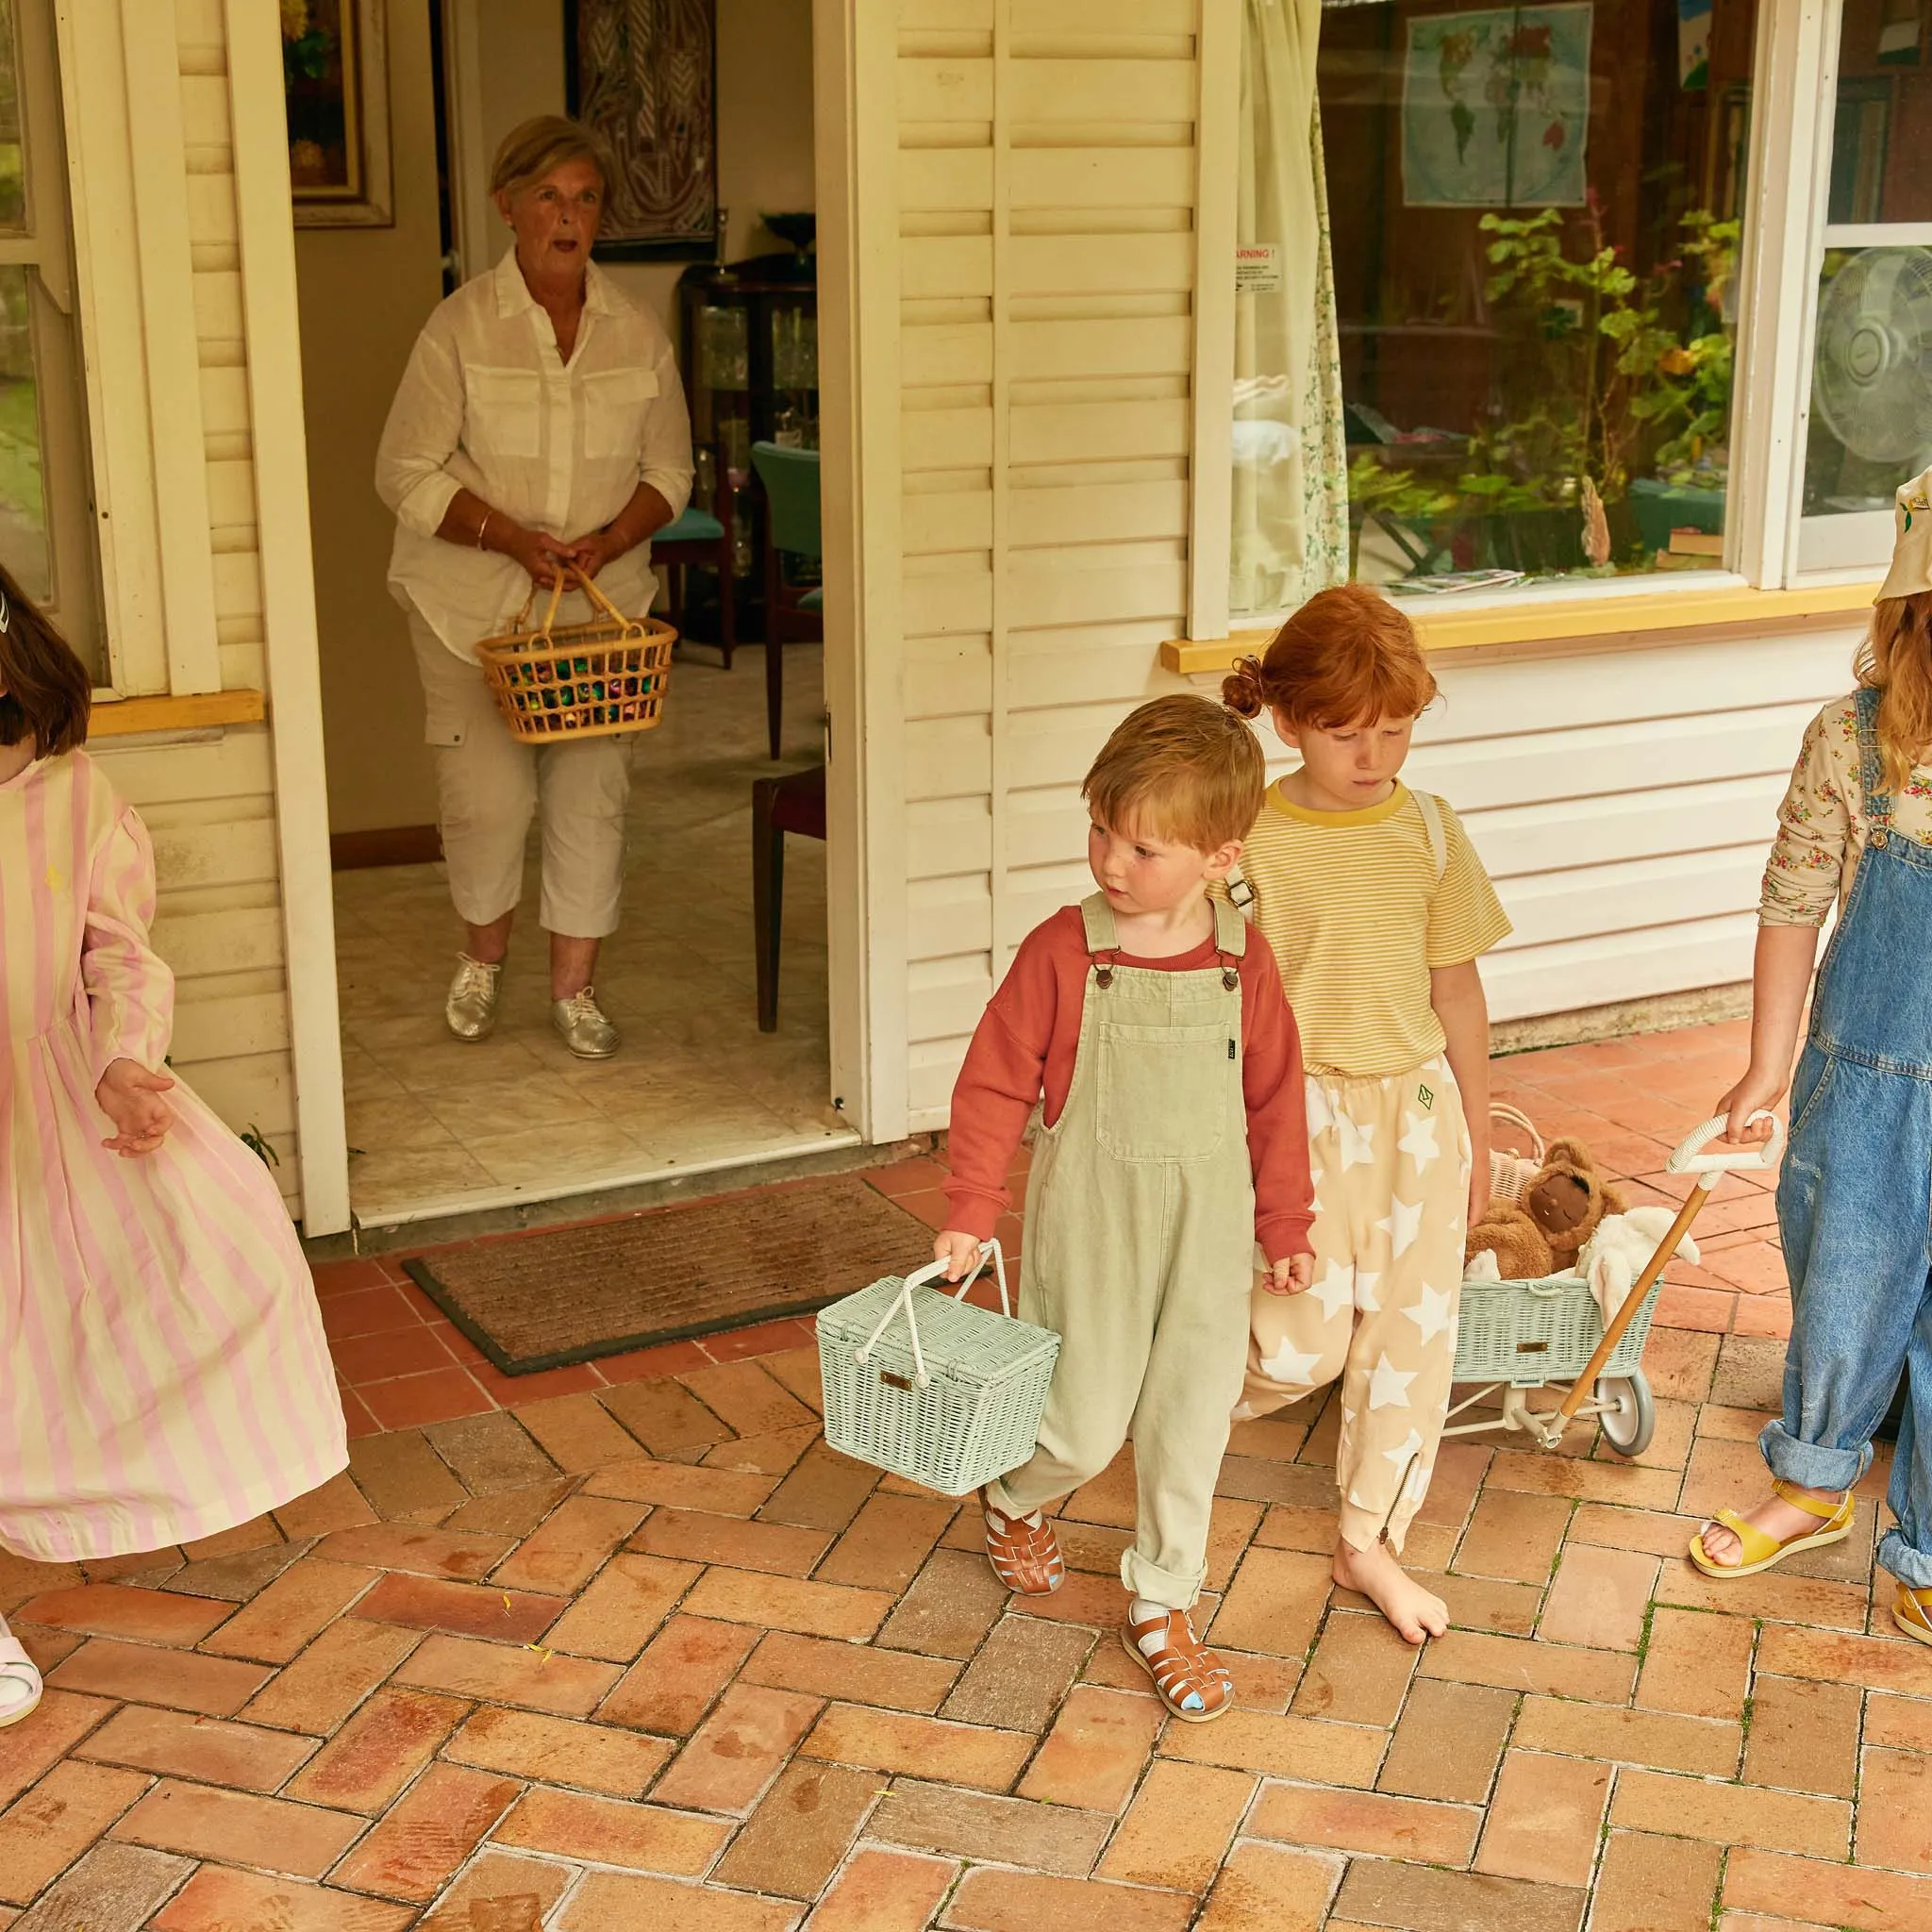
(483, 526)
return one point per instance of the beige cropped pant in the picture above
(491, 785)
(1389, 1158)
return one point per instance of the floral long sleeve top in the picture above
(1821, 823)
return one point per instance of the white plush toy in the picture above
(1614, 1256)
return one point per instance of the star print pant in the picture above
(1391, 1164)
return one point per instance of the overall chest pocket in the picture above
(503, 410)
(615, 401)
(1163, 1091)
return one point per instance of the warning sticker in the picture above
(1257, 268)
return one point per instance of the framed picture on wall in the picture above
(644, 74)
(334, 79)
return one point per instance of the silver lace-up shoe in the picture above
(470, 1008)
(582, 1028)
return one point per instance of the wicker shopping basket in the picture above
(579, 680)
(949, 1396)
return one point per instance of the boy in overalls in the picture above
(1156, 1043)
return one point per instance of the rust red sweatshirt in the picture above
(1023, 1052)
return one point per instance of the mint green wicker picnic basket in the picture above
(949, 1395)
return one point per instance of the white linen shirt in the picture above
(488, 404)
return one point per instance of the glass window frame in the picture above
(1781, 247)
(1857, 544)
(45, 251)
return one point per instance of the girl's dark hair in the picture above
(45, 692)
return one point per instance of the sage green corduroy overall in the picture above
(1140, 1240)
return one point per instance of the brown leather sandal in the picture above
(1023, 1557)
(1189, 1678)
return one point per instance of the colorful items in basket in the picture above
(605, 688)
(927, 1384)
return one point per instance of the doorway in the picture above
(436, 1126)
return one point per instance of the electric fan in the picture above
(1871, 376)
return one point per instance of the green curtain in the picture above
(1289, 535)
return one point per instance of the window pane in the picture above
(1880, 170)
(24, 546)
(1535, 219)
(1869, 427)
(13, 165)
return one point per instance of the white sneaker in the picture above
(471, 1008)
(582, 1028)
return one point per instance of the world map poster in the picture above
(1496, 108)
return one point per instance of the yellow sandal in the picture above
(1911, 1610)
(1761, 1552)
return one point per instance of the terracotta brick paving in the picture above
(641, 1652)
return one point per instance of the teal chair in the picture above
(699, 536)
(793, 614)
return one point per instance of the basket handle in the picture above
(1502, 1110)
(561, 582)
(902, 1301)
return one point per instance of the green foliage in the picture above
(260, 1146)
(1607, 374)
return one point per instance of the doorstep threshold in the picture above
(433, 1220)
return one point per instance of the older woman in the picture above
(540, 422)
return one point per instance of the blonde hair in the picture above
(1180, 768)
(532, 148)
(1896, 661)
(1346, 658)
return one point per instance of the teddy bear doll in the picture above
(1562, 1203)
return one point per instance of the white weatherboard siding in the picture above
(1625, 803)
(1045, 228)
(210, 797)
(1045, 215)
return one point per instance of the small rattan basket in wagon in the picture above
(928, 1386)
(561, 681)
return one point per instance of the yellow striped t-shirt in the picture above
(1351, 906)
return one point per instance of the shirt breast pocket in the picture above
(615, 401)
(502, 410)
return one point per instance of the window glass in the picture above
(46, 513)
(1535, 231)
(1870, 422)
(12, 159)
(24, 546)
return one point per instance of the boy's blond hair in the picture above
(1181, 768)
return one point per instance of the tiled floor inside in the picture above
(640, 1652)
(437, 1126)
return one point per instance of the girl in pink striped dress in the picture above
(162, 1369)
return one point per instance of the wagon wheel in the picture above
(1630, 1414)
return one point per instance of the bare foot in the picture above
(1774, 1516)
(1374, 1572)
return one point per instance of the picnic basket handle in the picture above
(1514, 1117)
(931, 1272)
(1689, 1156)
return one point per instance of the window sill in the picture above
(1531, 624)
(129, 717)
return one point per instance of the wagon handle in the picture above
(1690, 1158)
(1686, 1157)
(988, 1251)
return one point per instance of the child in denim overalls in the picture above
(1154, 1038)
(1855, 1199)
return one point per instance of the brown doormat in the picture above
(544, 1301)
